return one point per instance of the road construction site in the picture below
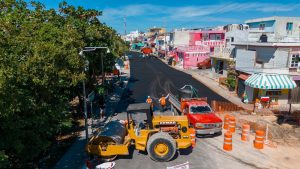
(151, 77)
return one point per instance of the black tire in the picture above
(161, 138)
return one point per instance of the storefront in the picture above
(273, 86)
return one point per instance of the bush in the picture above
(231, 82)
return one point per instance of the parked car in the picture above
(205, 64)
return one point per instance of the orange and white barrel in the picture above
(245, 132)
(232, 124)
(193, 136)
(227, 141)
(259, 139)
(226, 122)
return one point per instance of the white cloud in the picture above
(194, 11)
(213, 13)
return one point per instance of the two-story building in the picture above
(200, 42)
(223, 55)
(268, 60)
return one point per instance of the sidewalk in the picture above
(204, 77)
(75, 156)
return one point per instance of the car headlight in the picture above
(220, 124)
(199, 125)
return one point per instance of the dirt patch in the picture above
(278, 133)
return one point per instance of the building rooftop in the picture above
(269, 19)
(267, 44)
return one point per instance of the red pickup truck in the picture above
(199, 114)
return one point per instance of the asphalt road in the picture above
(153, 77)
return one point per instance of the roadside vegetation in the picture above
(41, 73)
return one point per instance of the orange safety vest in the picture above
(163, 101)
(149, 100)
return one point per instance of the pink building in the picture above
(200, 45)
(191, 55)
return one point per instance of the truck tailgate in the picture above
(174, 101)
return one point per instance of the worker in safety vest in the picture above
(163, 102)
(149, 101)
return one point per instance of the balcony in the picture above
(224, 53)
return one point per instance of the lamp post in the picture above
(88, 49)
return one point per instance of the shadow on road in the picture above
(209, 135)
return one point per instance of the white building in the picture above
(268, 61)
(274, 29)
(131, 36)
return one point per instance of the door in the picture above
(241, 87)
(220, 66)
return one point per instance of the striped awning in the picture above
(270, 81)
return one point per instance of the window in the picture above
(200, 109)
(262, 26)
(215, 37)
(232, 39)
(289, 26)
(295, 61)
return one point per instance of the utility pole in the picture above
(165, 40)
(125, 25)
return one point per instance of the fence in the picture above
(224, 106)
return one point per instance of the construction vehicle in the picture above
(160, 136)
(197, 110)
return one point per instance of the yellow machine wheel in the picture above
(161, 147)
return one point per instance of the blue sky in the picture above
(143, 14)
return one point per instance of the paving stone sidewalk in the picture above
(75, 157)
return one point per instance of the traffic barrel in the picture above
(193, 136)
(231, 126)
(226, 122)
(259, 139)
(227, 141)
(245, 132)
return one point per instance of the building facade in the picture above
(200, 42)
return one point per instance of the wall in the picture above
(244, 59)
(181, 38)
(276, 30)
(280, 28)
(271, 57)
(192, 58)
(238, 35)
(262, 59)
(269, 26)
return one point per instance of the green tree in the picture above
(40, 72)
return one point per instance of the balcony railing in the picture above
(223, 53)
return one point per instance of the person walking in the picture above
(163, 102)
(150, 102)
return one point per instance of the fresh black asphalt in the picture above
(152, 77)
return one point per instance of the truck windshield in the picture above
(200, 109)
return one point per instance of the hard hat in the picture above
(148, 96)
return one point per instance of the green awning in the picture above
(270, 81)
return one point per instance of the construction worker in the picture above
(163, 102)
(149, 101)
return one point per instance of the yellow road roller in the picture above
(160, 136)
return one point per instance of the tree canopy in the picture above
(40, 69)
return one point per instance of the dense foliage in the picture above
(40, 72)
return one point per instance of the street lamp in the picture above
(89, 49)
